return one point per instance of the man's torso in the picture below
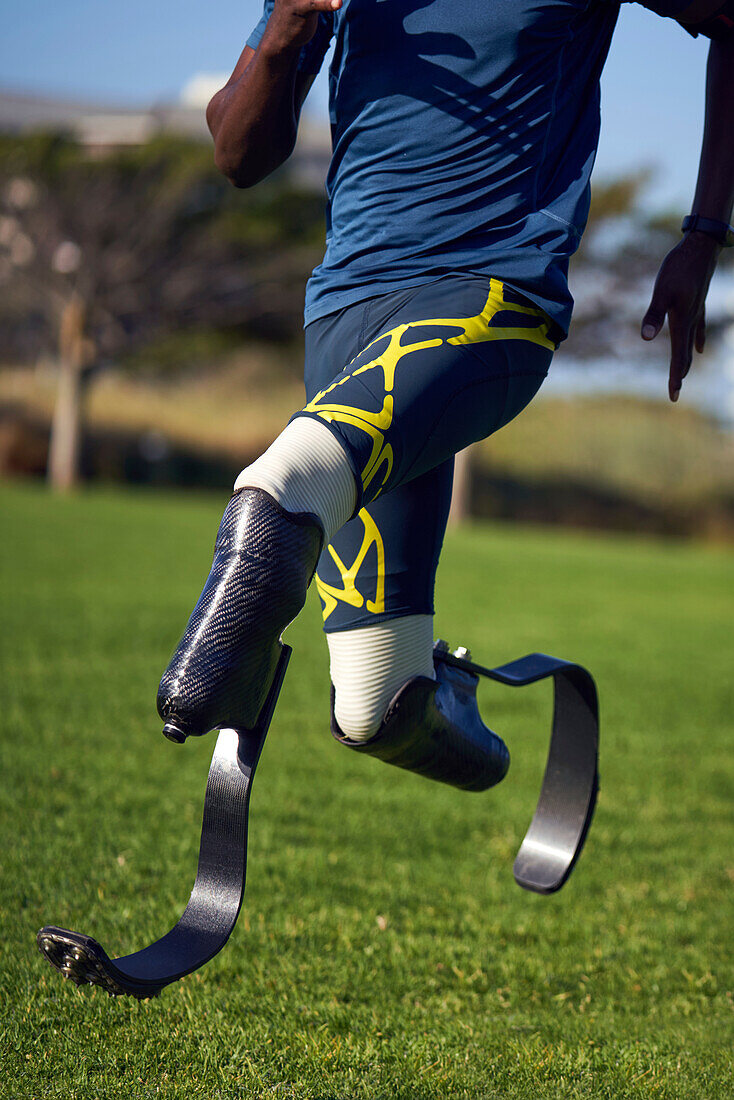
(463, 140)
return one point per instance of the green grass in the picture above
(383, 949)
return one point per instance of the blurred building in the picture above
(104, 127)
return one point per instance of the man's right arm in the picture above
(254, 118)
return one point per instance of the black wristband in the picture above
(720, 231)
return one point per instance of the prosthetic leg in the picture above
(570, 785)
(226, 673)
(215, 901)
(545, 860)
(433, 728)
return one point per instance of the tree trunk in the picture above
(66, 427)
(461, 495)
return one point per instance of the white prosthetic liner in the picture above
(371, 663)
(306, 470)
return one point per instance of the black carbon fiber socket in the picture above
(433, 728)
(224, 665)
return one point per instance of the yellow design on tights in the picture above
(349, 593)
(472, 330)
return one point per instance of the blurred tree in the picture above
(615, 198)
(103, 253)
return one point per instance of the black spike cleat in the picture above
(85, 962)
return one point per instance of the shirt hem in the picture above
(334, 302)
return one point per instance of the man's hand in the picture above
(680, 292)
(293, 22)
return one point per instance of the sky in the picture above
(140, 52)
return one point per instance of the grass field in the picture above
(383, 949)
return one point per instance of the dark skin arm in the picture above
(254, 118)
(684, 276)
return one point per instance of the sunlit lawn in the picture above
(383, 949)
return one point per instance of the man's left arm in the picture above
(684, 276)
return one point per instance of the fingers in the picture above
(310, 7)
(680, 293)
(681, 354)
(293, 23)
(685, 335)
(652, 322)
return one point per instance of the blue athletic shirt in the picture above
(464, 133)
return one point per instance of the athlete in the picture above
(463, 140)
